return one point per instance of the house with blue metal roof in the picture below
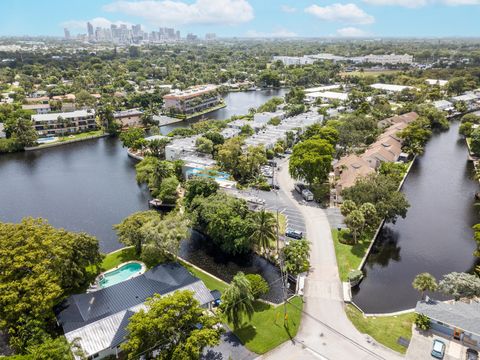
(97, 320)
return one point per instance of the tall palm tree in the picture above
(265, 229)
(424, 282)
(237, 300)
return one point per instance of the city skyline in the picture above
(248, 18)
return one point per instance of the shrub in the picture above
(422, 321)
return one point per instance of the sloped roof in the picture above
(465, 316)
(79, 310)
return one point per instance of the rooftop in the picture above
(391, 87)
(465, 316)
(191, 92)
(129, 112)
(66, 115)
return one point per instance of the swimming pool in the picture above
(47, 140)
(124, 272)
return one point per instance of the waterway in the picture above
(435, 236)
(238, 103)
(90, 186)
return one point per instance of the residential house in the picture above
(453, 319)
(326, 96)
(37, 100)
(129, 118)
(52, 124)
(390, 88)
(437, 82)
(97, 320)
(347, 170)
(443, 105)
(38, 108)
(404, 118)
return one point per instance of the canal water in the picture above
(435, 236)
(238, 103)
(90, 186)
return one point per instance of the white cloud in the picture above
(346, 13)
(288, 9)
(461, 2)
(178, 12)
(403, 3)
(351, 32)
(279, 33)
(420, 3)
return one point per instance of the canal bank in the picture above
(435, 236)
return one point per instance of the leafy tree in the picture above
(327, 133)
(38, 265)
(204, 145)
(258, 284)
(51, 349)
(476, 236)
(347, 207)
(215, 137)
(168, 190)
(270, 105)
(382, 192)
(460, 285)
(394, 170)
(23, 133)
(415, 136)
(311, 160)
(199, 186)
(461, 106)
(246, 130)
(475, 142)
(264, 229)
(226, 220)
(131, 135)
(237, 300)
(130, 230)
(296, 257)
(165, 234)
(84, 99)
(106, 118)
(156, 147)
(370, 214)
(424, 282)
(175, 325)
(422, 321)
(355, 222)
(296, 95)
(152, 171)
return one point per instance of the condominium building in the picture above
(64, 123)
(192, 100)
(129, 118)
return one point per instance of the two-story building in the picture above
(129, 118)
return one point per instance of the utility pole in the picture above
(280, 257)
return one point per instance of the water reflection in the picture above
(199, 251)
(436, 235)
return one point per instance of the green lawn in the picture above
(266, 330)
(349, 257)
(210, 282)
(76, 137)
(386, 330)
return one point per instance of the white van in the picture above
(307, 195)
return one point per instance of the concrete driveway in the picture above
(421, 346)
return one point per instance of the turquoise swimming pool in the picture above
(123, 273)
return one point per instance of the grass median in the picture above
(385, 329)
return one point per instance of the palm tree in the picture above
(265, 229)
(237, 300)
(424, 282)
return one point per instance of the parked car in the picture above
(274, 187)
(288, 151)
(294, 234)
(299, 187)
(307, 195)
(438, 349)
(472, 354)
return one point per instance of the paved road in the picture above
(325, 331)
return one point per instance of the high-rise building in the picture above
(90, 31)
(177, 34)
(210, 36)
(192, 37)
(67, 34)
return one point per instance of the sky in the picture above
(249, 18)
